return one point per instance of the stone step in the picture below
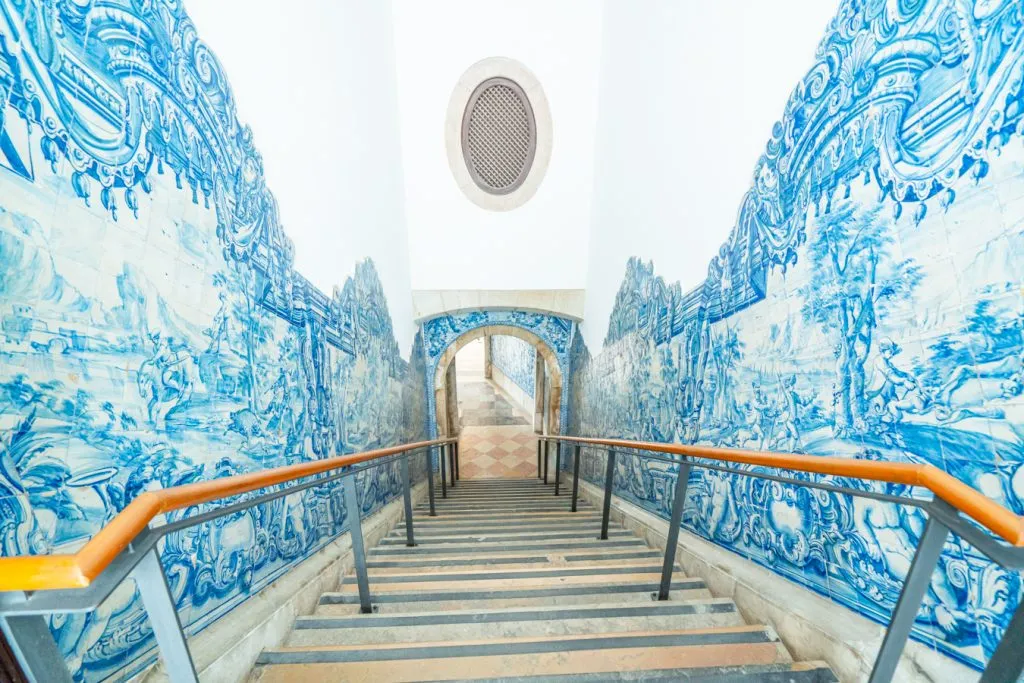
(512, 516)
(548, 546)
(527, 656)
(460, 495)
(550, 521)
(543, 620)
(449, 603)
(416, 575)
(469, 583)
(432, 599)
(511, 564)
(450, 507)
(609, 557)
(586, 532)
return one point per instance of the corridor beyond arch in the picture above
(553, 387)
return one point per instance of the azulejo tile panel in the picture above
(441, 332)
(152, 329)
(517, 359)
(868, 304)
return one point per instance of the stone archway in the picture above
(441, 409)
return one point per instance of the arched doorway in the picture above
(546, 404)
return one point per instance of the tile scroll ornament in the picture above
(441, 332)
(517, 359)
(152, 329)
(867, 304)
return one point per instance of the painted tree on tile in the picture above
(855, 279)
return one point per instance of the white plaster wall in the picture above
(316, 81)
(689, 92)
(455, 244)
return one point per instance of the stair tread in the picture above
(604, 584)
(740, 635)
(569, 672)
(413, 604)
(651, 606)
(582, 569)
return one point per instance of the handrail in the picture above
(990, 514)
(79, 570)
(951, 498)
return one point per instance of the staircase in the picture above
(506, 583)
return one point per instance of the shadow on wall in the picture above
(153, 331)
(868, 304)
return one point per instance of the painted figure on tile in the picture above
(889, 535)
(165, 379)
(900, 392)
(793, 407)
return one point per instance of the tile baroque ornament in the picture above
(867, 304)
(441, 332)
(152, 329)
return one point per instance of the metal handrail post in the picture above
(575, 475)
(163, 616)
(672, 540)
(444, 472)
(547, 458)
(558, 463)
(609, 479)
(430, 480)
(538, 458)
(1007, 662)
(455, 445)
(451, 463)
(926, 557)
(410, 538)
(355, 531)
(34, 647)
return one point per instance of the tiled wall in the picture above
(517, 359)
(153, 330)
(868, 304)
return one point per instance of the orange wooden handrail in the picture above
(46, 572)
(990, 514)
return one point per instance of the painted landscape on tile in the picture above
(152, 330)
(868, 304)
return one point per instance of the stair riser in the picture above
(751, 673)
(495, 564)
(551, 572)
(368, 635)
(576, 534)
(459, 493)
(442, 605)
(442, 525)
(509, 515)
(426, 531)
(454, 550)
(497, 509)
(386, 587)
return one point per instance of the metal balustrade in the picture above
(32, 587)
(952, 500)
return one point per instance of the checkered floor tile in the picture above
(497, 439)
